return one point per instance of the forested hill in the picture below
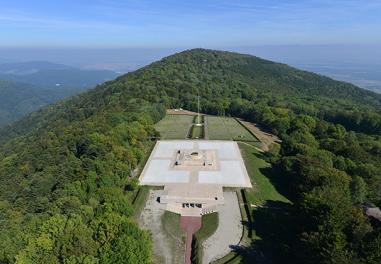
(28, 86)
(65, 191)
(175, 79)
(18, 99)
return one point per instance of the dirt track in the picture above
(265, 138)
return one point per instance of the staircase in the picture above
(209, 210)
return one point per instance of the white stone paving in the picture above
(225, 149)
(165, 149)
(229, 171)
(230, 174)
(158, 172)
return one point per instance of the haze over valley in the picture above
(357, 64)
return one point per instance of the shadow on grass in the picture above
(275, 175)
(277, 179)
(273, 229)
(274, 226)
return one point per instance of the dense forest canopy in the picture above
(27, 86)
(65, 187)
(19, 99)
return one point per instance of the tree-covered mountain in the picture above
(28, 86)
(19, 99)
(65, 191)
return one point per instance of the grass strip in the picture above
(209, 226)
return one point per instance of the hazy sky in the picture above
(188, 23)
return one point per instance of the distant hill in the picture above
(27, 86)
(18, 99)
(29, 67)
(229, 75)
(51, 74)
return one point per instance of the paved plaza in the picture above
(203, 162)
(194, 172)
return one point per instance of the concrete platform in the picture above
(228, 168)
(194, 172)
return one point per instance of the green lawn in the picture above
(139, 197)
(197, 132)
(263, 189)
(227, 128)
(171, 224)
(139, 200)
(209, 226)
(174, 126)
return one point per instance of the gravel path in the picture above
(206, 132)
(229, 230)
(166, 249)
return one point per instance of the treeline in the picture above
(330, 177)
(221, 78)
(330, 174)
(65, 188)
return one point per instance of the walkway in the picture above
(190, 224)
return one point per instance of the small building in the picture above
(374, 213)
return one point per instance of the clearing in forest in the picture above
(263, 196)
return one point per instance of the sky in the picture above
(339, 38)
(188, 23)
